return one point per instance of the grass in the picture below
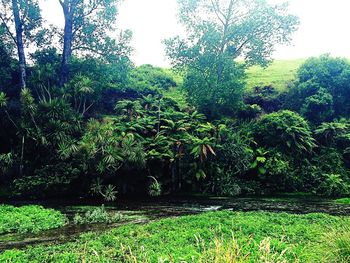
(29, 219)
(343, 201)
(222, 236)
(278, 74)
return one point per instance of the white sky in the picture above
(324, 27)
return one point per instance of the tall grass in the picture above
(337, 244)
(218, 250)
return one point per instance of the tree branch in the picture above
(8, 29)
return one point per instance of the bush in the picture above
(267, 97)
(250, 112)
(329, 133)
(279, 172)
(51, 180)
(97, 215)
(285, 130)
(333, 185)
(29, 219)
(318, 108)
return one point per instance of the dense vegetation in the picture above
(29, 219)
(81, 120)
(209, 237)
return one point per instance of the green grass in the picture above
(343, 201)
(211, 237)
(278, 74)
(29, 219)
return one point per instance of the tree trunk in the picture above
(19, 43)
(68, 10)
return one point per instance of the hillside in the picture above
(279, 73)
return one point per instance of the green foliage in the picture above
(109, 193)
(31, 20)
(333, 185)
(274, 171)
(294, 237)
(90, 122)
(148, 77)
(325, 173)
(337, 244)
(91, 23)
(331, 75)
(52, 180)
(318, 108)
(97, 215)
(252, 34)
(215, 96)
(332, 133)
(155, 188)
(29, 219)
(268, 98)
(285, 130)
(213, 80)
(345, 201)
(250, 112)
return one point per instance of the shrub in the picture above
(250, 112)
(267, 97)
(279, 172)
(51, 180)
(318, 108)
(285, 130)
(97, 215)
(329, 133)
(333, 185)
(323, 173)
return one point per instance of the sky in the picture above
(324, 27)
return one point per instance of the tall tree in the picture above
(88, 26)
(219, 31)
(20, 19)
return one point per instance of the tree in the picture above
(318, 79)
(20, 19)
(87, 24)
(219, 31)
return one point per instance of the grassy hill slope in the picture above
(279, 73)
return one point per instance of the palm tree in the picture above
(129, 108)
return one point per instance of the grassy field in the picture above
(279, 73)
(211, 237)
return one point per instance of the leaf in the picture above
(200, 174)
(262, 170)
(261, 159)
(254, 164)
